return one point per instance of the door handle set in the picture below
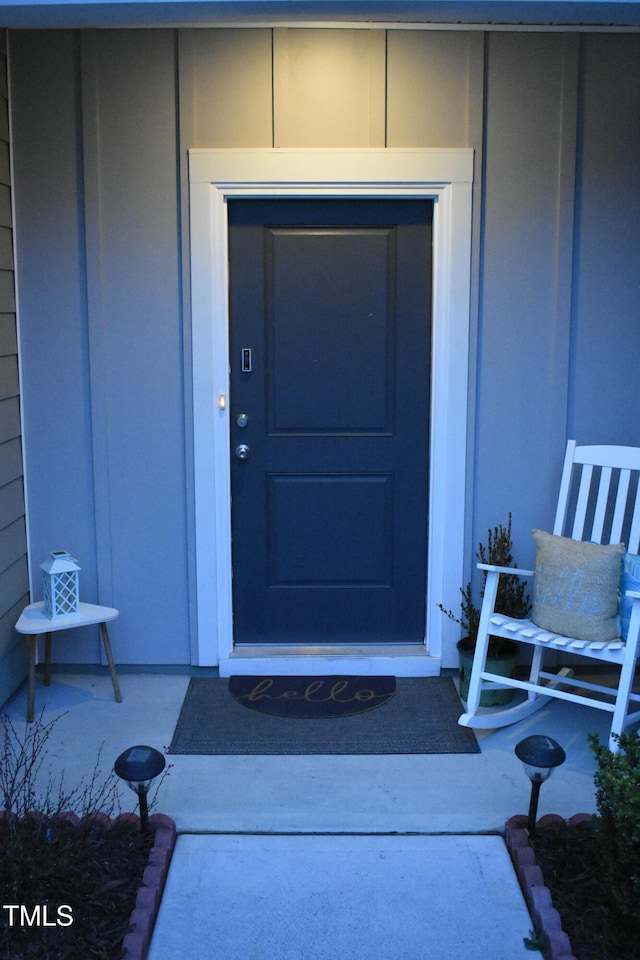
(243, 450)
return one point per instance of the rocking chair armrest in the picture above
(514, 570)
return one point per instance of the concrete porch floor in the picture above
(271, 847)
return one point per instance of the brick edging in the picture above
(135, 945)
(537, 895)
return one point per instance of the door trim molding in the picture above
(215, 175)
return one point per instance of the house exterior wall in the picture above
(14, 581)
(102, 124)
(606, 314)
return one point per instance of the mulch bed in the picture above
(561, 878)
(89, 890)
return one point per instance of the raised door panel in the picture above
(315, 383)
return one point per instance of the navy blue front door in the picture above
(330, 319)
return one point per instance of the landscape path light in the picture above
(540, 756)
(140, 765)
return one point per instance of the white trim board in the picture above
(446, 176)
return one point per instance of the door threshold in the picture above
(369, 660)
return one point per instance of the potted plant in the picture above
(512, 601)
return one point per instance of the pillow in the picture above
(575, 588)
(629, 580)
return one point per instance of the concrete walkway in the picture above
(341, 898)
(281, 858)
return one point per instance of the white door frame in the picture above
(446, 176)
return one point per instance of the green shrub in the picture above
(617, 781)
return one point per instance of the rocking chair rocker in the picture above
(599, 502)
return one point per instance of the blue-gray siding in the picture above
(14, 580)
(102, 123)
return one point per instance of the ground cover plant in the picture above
(593, 869)
(70, 865)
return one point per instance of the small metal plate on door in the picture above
(246, 360)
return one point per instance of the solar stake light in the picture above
(540, 755)
(140, 765)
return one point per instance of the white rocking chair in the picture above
(599, 502)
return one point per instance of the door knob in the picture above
(242, 451)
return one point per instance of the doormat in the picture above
(308, 698)
(421, 718)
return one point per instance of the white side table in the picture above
(33, 623)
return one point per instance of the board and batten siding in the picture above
(14, 579)
(102, 123)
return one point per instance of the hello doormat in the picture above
(422, 717)
(312, 698)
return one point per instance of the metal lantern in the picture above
(61, 585)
